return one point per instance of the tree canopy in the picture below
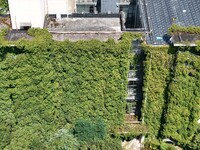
(3, 6)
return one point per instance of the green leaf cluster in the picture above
(157, 71)
(87, 130)
(184, 99)
(46, 84)
(171, 94)
(63, 140)
(4, 6)
(190, 29)
(92, 134)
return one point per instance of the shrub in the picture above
(63, 140)
(86, 130)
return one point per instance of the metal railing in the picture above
(124, 1)
(94, 1)
(85, 1)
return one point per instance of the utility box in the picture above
(109, 6)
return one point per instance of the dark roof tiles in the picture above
(165, 12)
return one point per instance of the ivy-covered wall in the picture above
(46, 84)
(157, 75)
(184, 99)
(171, 105)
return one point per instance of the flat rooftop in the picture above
(87, 28)
(84, 24)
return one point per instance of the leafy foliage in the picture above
(198, 46)
(171, 90)
(4, 6)
(157, 72)
(190, 29)
(184, 99)
(92, 134)
(63, 140)
(87, 130)
(158, 145)
(195, 143)
(45, 84)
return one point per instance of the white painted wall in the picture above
(27, 11)
(71, 6)
(34, 11)
(59, 7)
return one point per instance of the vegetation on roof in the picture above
(52, 91)
(171, 106)
(49, 87)
(190, 29)
(183, 108)
(157, 76)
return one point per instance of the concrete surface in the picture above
(75, 36)
(85, 24)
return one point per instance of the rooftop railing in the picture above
(85, 1)
(95, 1)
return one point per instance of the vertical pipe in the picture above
(67, 8)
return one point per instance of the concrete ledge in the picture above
(85, 32)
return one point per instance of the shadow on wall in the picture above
(133, 19)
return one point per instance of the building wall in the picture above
(109, 6)
(59, 7)
(71, 6)
(27, 12)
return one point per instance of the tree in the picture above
(63, 140)
(3, 6)
(86, 130)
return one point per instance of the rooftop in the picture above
(85, 24)
(162, 13)
(184, 39)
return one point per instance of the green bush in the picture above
(63, 140)
(157, 75)
(108, 144)
(93, 135)
(158, 145)
(87, 130)
(4, 6)
(190, 29)
(195, 143)
(184, 105)
(171, 93)
(51, 83)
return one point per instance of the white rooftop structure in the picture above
(27, 13)
(31, 13)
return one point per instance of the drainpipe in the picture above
(67, 7)
(16, 23)
(47, 9)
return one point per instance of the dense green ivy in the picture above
(190, 29)
(4, 6)
(157, 74)
(184, 99)
(46, 84)
(171, 105)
